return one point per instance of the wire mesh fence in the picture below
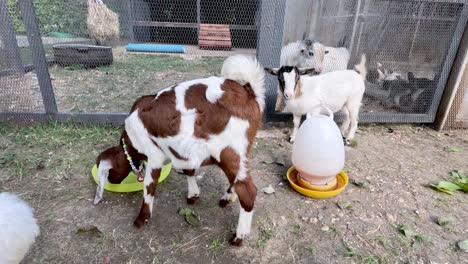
(409, 47)
(15, 58)
(83, 60)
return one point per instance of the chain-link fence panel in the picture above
(409, 46)
(101, 55)
(108, 53)
(19, 87)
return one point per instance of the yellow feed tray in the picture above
(342, 181)
(130, 183)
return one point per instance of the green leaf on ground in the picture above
(408, 232)
(184, 211)
(268, 160)
(361, 183)
(419, 241)
(280, 160)
(454, 149)
(445, 221)
(353, 144)
(458, 174)
(463, 186)
(446, 187)
(190, 216)
(463, 245)
(345, 205)
(88, 229)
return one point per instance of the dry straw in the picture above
(103, 24)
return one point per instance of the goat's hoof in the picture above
(346, 141)
(223, 203)
(139, 223)
(235, 241)
(96, 201)
(193, 200)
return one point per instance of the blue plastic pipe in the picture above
(156, 48)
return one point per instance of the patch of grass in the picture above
(113, 88)
(407, 231)
(216, 244)
(446, 222)
(264, 235)
(412, 237)
(58, 149)
(404, 241)
(349, 252)
(103, 243)
(297, 229)
(311, 249)
(335, 230)
(383, 241)
(134, 64)
(371, 260)
(420, 241)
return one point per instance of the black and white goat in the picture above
(312, 54)
(338, 91)
(298, 53)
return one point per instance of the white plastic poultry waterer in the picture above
(318, 156)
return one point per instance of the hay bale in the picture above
(103, 24)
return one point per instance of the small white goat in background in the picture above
(312, 54)
(338, 90)
(296, 53)
(327, 59)
(18, 228)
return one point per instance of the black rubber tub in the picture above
(86, 55)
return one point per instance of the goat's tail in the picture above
(246, 69)
(361, 67)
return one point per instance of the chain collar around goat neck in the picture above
(139, 172)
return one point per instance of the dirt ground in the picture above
(49, 166)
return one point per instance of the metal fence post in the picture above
(31, 24)
(269, 42)
(8, 36)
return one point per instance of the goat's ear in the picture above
(272, 71)
(307, 71)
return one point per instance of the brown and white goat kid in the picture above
(202, 122)
(338, 90)
(113, 165)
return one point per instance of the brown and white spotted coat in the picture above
(198, 123)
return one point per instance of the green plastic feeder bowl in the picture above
(130, 183)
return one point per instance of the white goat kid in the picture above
(327, 59)
(312, 54)
(338, 91)
(18, 228)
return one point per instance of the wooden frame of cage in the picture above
(210, 36)
(455, 92)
